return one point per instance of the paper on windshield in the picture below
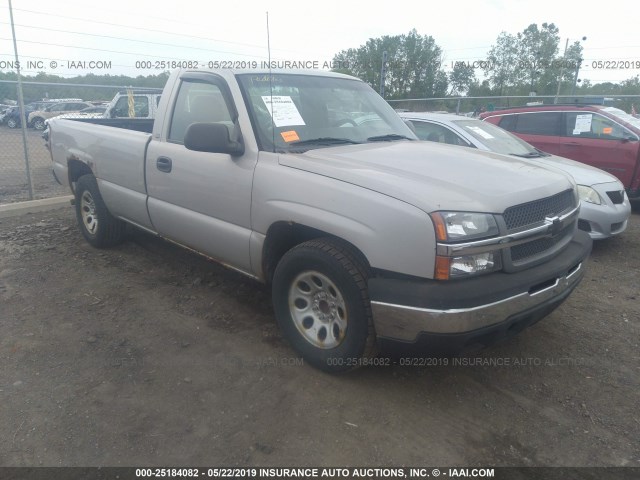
(283, 111)
(481, 132)
(583, 123)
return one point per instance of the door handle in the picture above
(163, 164)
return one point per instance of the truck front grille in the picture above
(528, 250)
(531, 215)
(534, 212)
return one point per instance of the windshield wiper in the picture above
(390, 137)
(527, 155)
(537, 153)
(323, 141)
(543, 154)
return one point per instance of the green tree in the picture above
(461, 77)
(501, 69)
(530, 61)
(537, 55)
(413, 68)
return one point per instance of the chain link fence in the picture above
(472, 106)
(25, 162)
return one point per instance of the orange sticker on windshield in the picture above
(290, 136)
(607, 130)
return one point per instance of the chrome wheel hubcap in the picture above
(88, 210)
(318, 309)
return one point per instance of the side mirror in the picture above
(628, 137)
(211, 137)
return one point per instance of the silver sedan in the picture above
(605, 207)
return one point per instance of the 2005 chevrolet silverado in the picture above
(309, 181)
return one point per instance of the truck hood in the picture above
(434, 177)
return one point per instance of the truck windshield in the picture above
(298, 112)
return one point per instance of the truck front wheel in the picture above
(322, 306)
(98, 226)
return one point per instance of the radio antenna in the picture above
(273, 126)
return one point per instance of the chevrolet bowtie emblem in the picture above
(555, 225)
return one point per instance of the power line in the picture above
(110, 51)
(137, 28)
(130, 40)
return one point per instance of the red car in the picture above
(604, 137)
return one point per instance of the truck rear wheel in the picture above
(98, 226)
(322, 306)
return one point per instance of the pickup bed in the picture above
(310, 182)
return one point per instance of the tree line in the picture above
(79, 87)
(530, 61)
(516, 64)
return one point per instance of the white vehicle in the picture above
(135, 103)
(604, 205)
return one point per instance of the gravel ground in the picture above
(146, 354)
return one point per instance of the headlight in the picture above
(467, 265)
(462, 226)
(455, 227)
(589, 195)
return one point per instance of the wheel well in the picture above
(76, 170)
(283, 236)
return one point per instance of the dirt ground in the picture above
(147, 354)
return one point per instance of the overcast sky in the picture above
(122, 34)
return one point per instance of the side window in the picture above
(542, 123)
(197, 102)
(508, 122)
(121, 108)
(592, 125)
(434, 133)
(140, 107)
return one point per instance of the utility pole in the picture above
(564, 59)
(383, 73)
(21, 106)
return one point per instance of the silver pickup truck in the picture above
(310, 182)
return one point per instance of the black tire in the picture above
(98, 226)
(38, 123)
(322, 305)
(12, 123)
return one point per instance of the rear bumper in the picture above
(475, 310)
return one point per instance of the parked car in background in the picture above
(604, 209)
(4, 112)
(37, 118)
(604, 137)
(144, 105)
(89, 112)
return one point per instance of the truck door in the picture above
(198, 199)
